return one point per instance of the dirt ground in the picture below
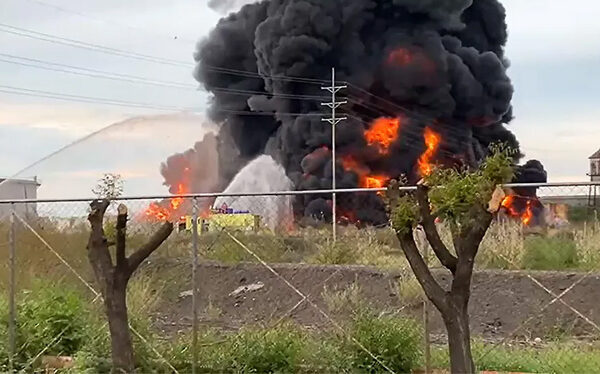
(501, 300)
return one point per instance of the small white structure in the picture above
(595, 167)
(18, 189)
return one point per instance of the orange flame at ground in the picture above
(166, 212)
(432, 141)
(526, 217)
(383, 132)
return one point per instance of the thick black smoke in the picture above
(433, 63)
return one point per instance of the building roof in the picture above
(22, 181)
(595, 155)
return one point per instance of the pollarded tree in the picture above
(112, 273)
(466, 200)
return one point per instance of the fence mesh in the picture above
(265, 275)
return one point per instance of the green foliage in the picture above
(404, 214)
(337, 253)
(259, 351)
(3, 334)
(454, 192)
(394, 341)
(549, 253)
(579, 214)
(551, 358)
(50, 318)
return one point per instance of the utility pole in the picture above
(333, 120)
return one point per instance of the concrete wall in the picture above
(18, 189)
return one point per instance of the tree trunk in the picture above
(113, 278)
(459, 340)
(118, 323)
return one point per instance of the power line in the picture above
(89, 46)
(410, 115)
(87, 99)
(406, 110)
(110, 22)
(141, 80)
(107, 101)
(104, 75)
(143, 57)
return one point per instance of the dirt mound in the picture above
(501, 300)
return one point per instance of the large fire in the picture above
(383, 132)
(432, 141)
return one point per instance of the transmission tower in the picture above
(333, 121)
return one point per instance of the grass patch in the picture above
(557, 253)
(564, 358)
(342, 299)
(51, 319)
(394, 341)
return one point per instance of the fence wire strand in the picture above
(277, 238)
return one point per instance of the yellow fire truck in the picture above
(223, 218)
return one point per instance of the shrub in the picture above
(51, 320)
(265, 351)
(394, 341)
(549, 253)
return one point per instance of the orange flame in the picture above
(526, 217)
(383, 132)
(158, 212)
(374, 181)
(432, 141)
(365, 180)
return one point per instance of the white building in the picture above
(595, 167)
(18, 189)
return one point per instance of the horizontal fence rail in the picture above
(278, 193)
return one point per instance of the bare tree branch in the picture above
(432, 289)
(433, 237)
(121, 236)
(155, 241)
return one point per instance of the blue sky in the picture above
(553, 47)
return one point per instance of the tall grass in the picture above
(567, 358)
(505, 246)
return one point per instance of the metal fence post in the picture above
(12, 290)
(194, 284)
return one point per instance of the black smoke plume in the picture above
(432, 63)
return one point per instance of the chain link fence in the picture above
(235, 265)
